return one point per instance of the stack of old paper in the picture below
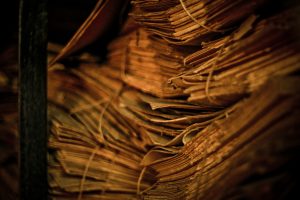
(168, 122)
(259, 140)
(227, 68)
(102, 143)
(147, 62)
(191, 21)
(197, 101)
(94, 149)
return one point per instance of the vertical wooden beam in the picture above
(33, 99)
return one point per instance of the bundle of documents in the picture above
(168, 122)
(196, 100)
(191, 21)
(94, 148)
(226, 68)
(147, 62)
(259, 139)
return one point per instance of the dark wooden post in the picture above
(33, 99)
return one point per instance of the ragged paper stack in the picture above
(196, 100)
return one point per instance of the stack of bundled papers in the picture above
(226, 68)
(191, 21)
(258, 139)
(93, 148)
(147, 63)
(196, 100)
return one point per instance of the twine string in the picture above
(140, 180)
(85, 172)
(197, 21)
(104, 110)
(212, 69)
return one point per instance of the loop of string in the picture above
(103, 111)
(213, 67)
(138, 188)
(97, 148)
(217, 58)
(86, 171)
(101, 119)
(197, 21)
(229, 39)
